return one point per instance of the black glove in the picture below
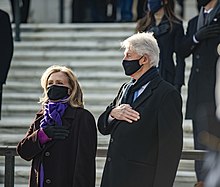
(178, 87)
(209, 31)
(56, 132)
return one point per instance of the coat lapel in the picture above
(147, 92)
(69, 116)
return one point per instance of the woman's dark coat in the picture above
(145, 153)
(69, 162)
(171, 67)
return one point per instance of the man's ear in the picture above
(146, 59)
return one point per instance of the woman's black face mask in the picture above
(131, 66)
(56, 92)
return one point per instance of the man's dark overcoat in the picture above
(69, 162)
(145, 153)
(201, 86)
(6, 46)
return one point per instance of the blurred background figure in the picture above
(212, 163)
(94, 11)
(6, 49)
(24, 10)
(217, 85)
(168, 30)
(201, 41)
(125, 7)
(141, 8)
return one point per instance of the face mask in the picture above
(55, 92)
(154, 5)
(203, 2)
(131, 66)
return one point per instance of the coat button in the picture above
(47, 153)
(111, 140)
(109, 159)
(197, 56)
(48, 181)
(197, 69)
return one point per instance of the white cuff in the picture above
(195, 40)
(110, 119)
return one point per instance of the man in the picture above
(144, 121)
(201, 40)
(6, 49)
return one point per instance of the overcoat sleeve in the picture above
(170, 135)
(30, 145)
(187, 44)
(104, 126)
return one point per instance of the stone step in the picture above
(59, 56)
(67, 45)
(77, 27)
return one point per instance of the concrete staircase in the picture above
(93, 52)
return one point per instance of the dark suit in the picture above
(145, 153)
(200, 106)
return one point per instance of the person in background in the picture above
(141, 8)
(144, 122)
(62, 140)
(201, 41)
(6, 49)
(168, 30)
(24, 10)
(126, 13)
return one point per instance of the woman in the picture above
(62, 140)
(168, 30)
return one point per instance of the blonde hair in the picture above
(76, 97)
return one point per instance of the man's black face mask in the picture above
(131, 66)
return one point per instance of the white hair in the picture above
(143, 43)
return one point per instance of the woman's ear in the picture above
(69, 91)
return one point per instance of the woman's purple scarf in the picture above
(53, 112)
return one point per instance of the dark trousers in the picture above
(198, 128)
(24, 10)
(205, 121)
